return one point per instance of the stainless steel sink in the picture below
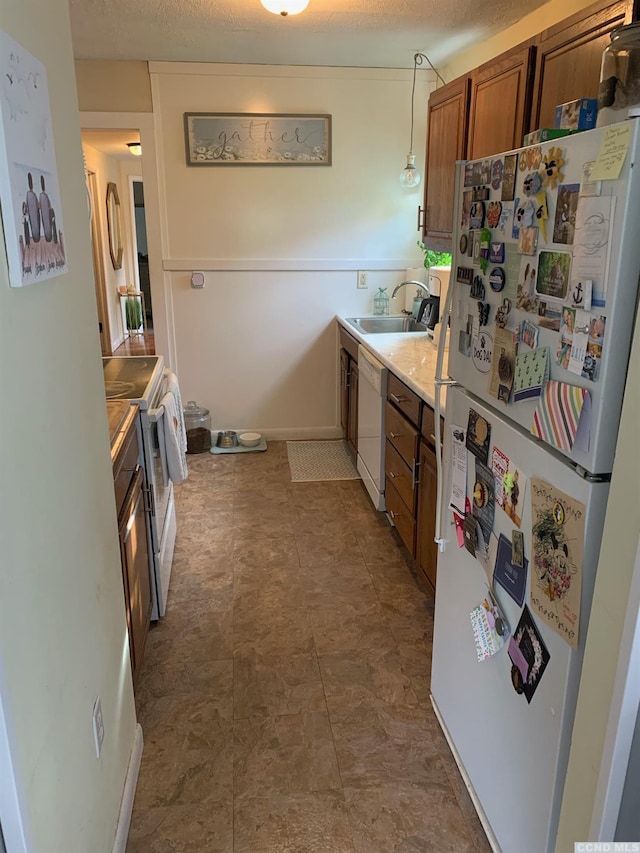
(380, 325)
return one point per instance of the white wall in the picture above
(107, 169)
(281, 246)
(63, 634)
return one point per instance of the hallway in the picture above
(284, 698)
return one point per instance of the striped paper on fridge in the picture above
(563, 416)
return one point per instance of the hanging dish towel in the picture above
(174, 388)
(563, 416)
(174, 449)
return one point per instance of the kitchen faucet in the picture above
(402, 284)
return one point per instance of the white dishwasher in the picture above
(372, 393)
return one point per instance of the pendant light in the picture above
(410, 176)
(285, 7)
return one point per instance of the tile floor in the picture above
(284, 698)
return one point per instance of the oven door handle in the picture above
(156, 416)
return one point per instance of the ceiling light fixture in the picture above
(135, 148)
(285, 7)
(410, 176)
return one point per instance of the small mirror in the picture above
(113, 225)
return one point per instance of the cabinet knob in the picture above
(393, 514)
(392, 475)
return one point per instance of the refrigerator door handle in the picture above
(440, 380)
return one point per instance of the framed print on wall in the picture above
(257, 139)
(29, 189)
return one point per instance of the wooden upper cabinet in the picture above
(446, 143)
(569, 56)
(500, 102)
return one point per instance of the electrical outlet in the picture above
(98, 726)
(362, 280)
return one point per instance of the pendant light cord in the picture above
(419, 59)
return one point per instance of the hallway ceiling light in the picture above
(285, 7)
(410, 176)
(135, 148)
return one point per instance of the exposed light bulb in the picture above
(410, 176)
(285, 7)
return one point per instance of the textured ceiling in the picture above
(364, 33)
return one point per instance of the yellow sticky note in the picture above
(613, 150)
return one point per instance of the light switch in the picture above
(197, 280)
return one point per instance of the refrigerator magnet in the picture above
(477, 214)
(531, 646)
(464, 243)
(496, 251)
(478, 436)
(532, 184)
(517, 548)
(553, 274)
(496, 278)
(527, 240)
(552, 165)
(481, 350)
(509, 177)
(484, 513)
(464, 275)
(497, 170)
(494, 209)
(511, 577)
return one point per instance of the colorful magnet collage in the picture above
(534, 238)
(537, 583)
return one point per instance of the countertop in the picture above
(411, 357)
(121, 415)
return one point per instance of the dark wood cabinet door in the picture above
(135, 564)
(569, 57)
(352, 432)
(500, 102)
(446, 142)
(344, 392)
(426, 548)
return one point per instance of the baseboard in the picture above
(129, 793)
(491, 838)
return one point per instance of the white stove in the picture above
(141, 379)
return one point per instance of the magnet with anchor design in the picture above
(496, 279)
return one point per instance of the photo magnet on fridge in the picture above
(553, 274)
(564, 225)
(511, 576)
(509, 177)
(527, 644)
(478, 436)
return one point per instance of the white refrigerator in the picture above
(528, 349)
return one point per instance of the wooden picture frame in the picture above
(257, 139)
(114, 226)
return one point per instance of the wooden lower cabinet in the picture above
(402, 518)
(352, 426)
(426, 548)
(349, 389)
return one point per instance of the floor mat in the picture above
(320, 460)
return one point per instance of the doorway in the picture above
(122, 280)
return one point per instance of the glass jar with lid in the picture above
(619, 89)
(197, 423)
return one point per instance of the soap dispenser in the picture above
(381, 302)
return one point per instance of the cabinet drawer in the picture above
(125, 467)
(404, 399)
(402, 435)
(404, 522)
(348, 343)
(399, 474)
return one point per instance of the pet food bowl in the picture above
(249, 439)
(227, 438)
